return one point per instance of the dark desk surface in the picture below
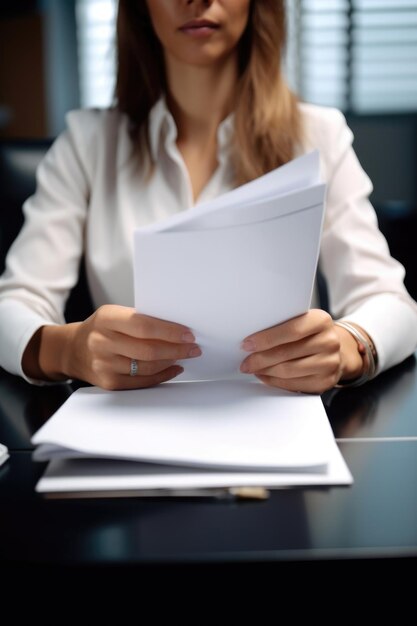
(376, 518)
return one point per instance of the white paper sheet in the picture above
(253, 212)
(188, 436)
(217, 424)
(4, 453)
(111, 477)
(228, 283)
(299, 174)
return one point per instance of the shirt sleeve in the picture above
(43, 262)
(365, 283)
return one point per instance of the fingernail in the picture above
(244, 367)
(195, 351)
(188, 337)
(249, 345)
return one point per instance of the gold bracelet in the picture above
(370, 353)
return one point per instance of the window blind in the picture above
(96, 21)
(358, 55)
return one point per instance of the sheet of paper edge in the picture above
(4, 454)
(338, 475)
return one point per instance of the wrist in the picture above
(67, 342)
(365, 354)
(55, 350)
(50, 352)
(351, 360)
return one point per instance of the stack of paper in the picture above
(227, 268)
(188, 435)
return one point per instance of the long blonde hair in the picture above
(267, 120)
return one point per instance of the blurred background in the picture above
(357, 55)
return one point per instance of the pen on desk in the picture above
(249, 493)
(224, 493)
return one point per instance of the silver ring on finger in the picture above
(133, 367)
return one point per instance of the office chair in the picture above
(19, 159)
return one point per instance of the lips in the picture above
(199, 24)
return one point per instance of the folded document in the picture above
(236, 265)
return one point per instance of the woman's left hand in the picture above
(307, 353)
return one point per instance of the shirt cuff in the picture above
(18, 324)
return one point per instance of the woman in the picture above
(202, 106)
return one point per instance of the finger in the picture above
(325, 344)
(156, 379)
(304, 384)
(124, 382)
(297, 328)
(145, 349)
(317, 365)
(128, 321)
(121, 365)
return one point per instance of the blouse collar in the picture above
(163, 130)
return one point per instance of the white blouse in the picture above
(92, 193)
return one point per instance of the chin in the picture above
(202, 58)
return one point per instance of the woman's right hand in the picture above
(100, 349)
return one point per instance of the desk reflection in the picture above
(24, 408)
(383, 408)
(152, 530)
